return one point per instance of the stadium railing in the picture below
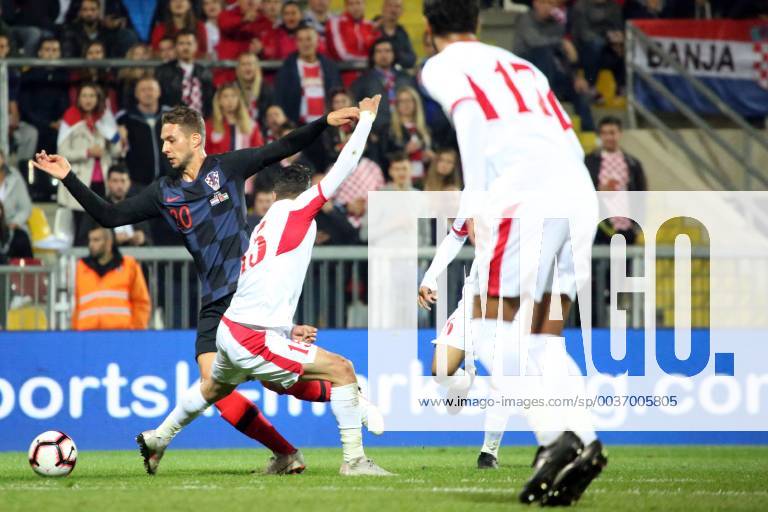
(752, 176)
(335, 292)
(268, 66)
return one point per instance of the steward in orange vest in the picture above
(110, 291)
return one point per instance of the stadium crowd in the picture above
(107, 122)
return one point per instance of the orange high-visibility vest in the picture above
(117, 300)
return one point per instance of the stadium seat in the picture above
(39, 229)
(27, 318)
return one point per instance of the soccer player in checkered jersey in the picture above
(253, 338)
(514, 137)
(204, 200)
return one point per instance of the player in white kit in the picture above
(517, 143)
(254, 337)
(450, 343)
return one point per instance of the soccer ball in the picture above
(52, 453)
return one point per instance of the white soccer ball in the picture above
(53, 453)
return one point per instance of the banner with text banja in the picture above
(729, 56)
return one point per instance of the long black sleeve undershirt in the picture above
(142, 206)
(247, 162)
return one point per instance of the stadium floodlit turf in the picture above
(444, 479)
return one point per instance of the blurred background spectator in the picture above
(110, 291)
(353, 193)
(14, 241)
(400, 173)
(614, 170)
(17, 204)
(598, 32)
(30, 22)
(22, 135)
(242, 28)
(444, 173)
(212, 9)
(118, 190)
(43, 98)
(262, 200)
(184, 80)
(90, 140)
(140, 128)
(388, 23)
(166, 49)
(128, 77)
(316, 15)
(335, 137)
(256, 92)
(90, 26)
(280, 42)
(179, 17)
(408, 132)
(276, 120)
(350, 36)
(305, 79)
(382, 78)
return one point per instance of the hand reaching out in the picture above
(427, 297)
(55, 165)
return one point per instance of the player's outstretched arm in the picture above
(248, 162)
(446, 252)
(353, 149)
(135, 209)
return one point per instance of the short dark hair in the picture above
(609, 120)
(118, 168)
(452, 16)
(188, 118)
(398, 156)
(184, 32)
(44, 40)
(376, 44)
(292, 181)
(286, 3)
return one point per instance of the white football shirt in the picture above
(523, 131)
(274, 265)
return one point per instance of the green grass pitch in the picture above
(637, 478)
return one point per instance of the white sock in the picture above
(495, 424)
(459, 372)
(191, 406)
(578, 419)
(345, 405)
(547, 423)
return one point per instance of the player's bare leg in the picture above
(451, 357)
(345, 404)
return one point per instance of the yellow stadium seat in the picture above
(27, 318)
(39, 229)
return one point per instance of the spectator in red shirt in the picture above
(271, 10)
(305, 79)
(178, 17)
(350, 36)
(239, 26)
(281, 41)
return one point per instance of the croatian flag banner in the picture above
(729, 56)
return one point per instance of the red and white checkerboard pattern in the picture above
(761, 63)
